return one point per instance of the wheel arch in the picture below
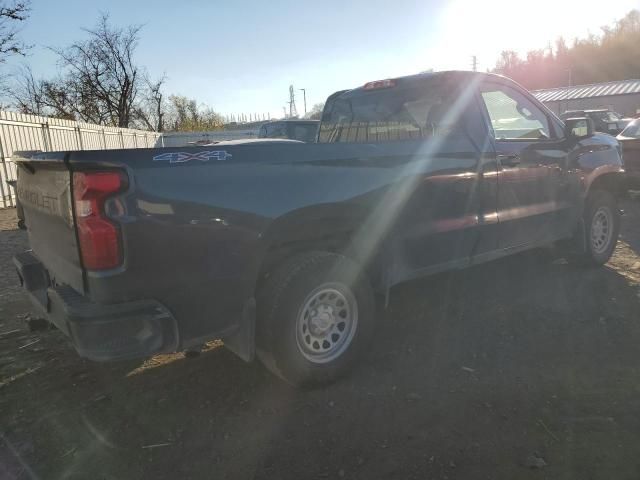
(330, 228)
(609, 178)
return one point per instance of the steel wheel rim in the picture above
(326, 322)
(601, 230)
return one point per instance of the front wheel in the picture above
(602, 227)
(316, 315)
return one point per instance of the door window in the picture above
(513, 116)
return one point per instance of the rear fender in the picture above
(328, 227)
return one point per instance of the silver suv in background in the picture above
(605, 120)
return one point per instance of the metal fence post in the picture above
(46, 137)
(79, 132)
(6, 177)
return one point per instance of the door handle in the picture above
(508, 159)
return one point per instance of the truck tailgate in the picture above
(44, 192)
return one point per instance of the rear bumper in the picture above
(99, 332)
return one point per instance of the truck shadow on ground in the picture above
(469, 374)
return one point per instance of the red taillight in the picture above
(99, 237)
(380, 84)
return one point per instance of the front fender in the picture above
(599, 159)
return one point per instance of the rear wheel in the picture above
(602, 227)
(316, 315)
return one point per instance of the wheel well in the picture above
(339, 243)
(611, 182)
(280, 251)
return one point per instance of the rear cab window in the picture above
(400, 113)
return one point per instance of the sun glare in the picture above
(485, 28)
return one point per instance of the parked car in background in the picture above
(605, 121)
(302, 130)
(629, 138)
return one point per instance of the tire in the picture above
(601, 229)
(316, 314)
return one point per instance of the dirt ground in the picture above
(521, 369)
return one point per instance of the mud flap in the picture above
(242, 342)
(578, 243)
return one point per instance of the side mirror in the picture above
(579, 127)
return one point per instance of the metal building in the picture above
(621, 96)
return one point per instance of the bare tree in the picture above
(11, 15)
(103, 81)
(151, 111)
(184, 114)
(60, 98)
(316, 111)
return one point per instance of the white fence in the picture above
(30, 132)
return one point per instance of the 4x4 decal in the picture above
(182, 157)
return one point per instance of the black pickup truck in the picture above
(279, 248)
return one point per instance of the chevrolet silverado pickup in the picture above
(279, 248)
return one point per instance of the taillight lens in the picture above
(99, 237)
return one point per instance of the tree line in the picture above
(614, 54)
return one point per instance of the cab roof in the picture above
(453, 76)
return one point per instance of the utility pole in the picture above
(284, 110)
(304, 96)
(474, 63)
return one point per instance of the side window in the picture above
(513, 116)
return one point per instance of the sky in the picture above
(241, 56)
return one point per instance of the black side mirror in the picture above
(582, 127)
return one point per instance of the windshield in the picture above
(632, 130)
(605, 116)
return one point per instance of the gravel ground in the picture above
(524, 368)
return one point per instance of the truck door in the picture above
(452, 209)
(450, 212)
(533, 204)
(429, 146)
